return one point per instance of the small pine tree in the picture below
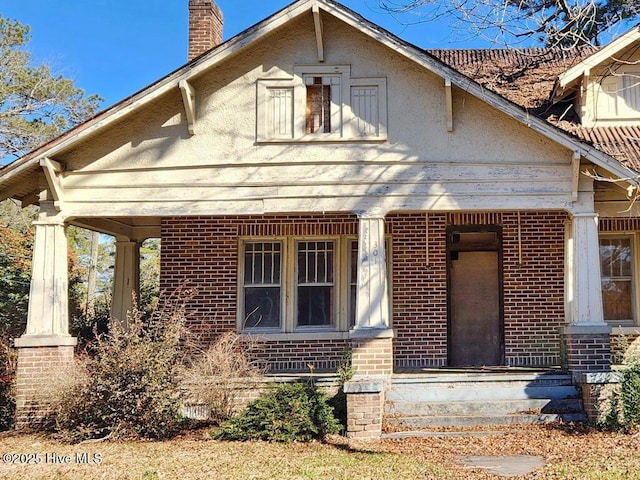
(286, 413)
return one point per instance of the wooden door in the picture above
(475, 300)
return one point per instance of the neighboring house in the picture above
(326, 186)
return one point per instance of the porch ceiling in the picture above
(123, 228)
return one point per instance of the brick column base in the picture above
(597, 389)
(365, 407)
(372, 356)
(587, 348)
(33, 374)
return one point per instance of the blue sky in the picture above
(116, 47)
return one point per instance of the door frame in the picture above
(452, 246)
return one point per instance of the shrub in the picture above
(345, 373)
(128, 386)
(216, 376)
(287, 412)
(7, 374)
(623, 409)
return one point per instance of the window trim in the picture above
(241, 317)
(634, 269)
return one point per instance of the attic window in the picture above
(321, 103)
(618, 96)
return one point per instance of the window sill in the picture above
(319, 335)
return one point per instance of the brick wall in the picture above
(372, 356)
(588, 352)
(624, 347)
(419, 289)
(533, 286)
(534, 289)
(35, 371)
(201, 253)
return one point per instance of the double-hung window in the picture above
(298, 284)
(616, 267)
(288, 285)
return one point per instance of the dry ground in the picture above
(570, 453)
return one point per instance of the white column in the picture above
(125, 278)
(584, 289)
(372, 297)
(48, 316)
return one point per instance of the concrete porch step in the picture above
(472, 399)
(481, 420)
(495, 407)
(447, 388)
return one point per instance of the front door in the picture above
(475, 296)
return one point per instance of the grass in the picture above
(569, 454)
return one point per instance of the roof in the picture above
(461, 74)
(527, 77)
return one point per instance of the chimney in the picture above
(205, 27)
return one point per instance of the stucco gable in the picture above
(22, 172)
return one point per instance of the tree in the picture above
(35, 104)
(554, 23)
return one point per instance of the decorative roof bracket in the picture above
(52, 169)
(449, 103)
(317, 21)
(189, 100)
(575, 175)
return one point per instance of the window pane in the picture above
(318, 107)
(262, 307)
(315, 295)
(315, 262)
(315, 306)
(262, 263)
(616, 266)
(616, 300)
(615, 257)
(262, 289)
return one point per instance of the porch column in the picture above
(46, 346)
(371, 337)
(586, 337)
(126, 277)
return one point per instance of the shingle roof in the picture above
(527, 77)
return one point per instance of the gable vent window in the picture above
(631, 91)
(321, 103)
(617, 97)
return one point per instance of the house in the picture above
(326, 186)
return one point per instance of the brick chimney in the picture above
(205, 27)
